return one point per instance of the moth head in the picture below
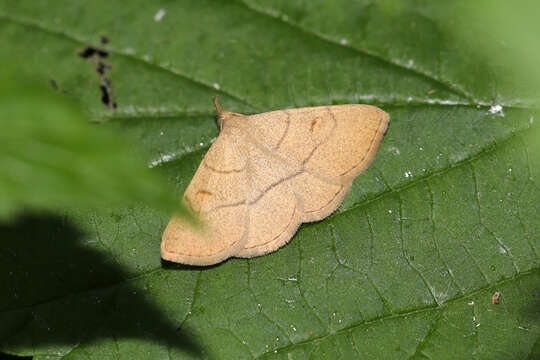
(223, 116)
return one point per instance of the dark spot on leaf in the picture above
(90, 51)
(98, 57)
(116, 217)
(105, 98)
(53, 84)
(100, 68)
(57, 87)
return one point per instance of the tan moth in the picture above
(266, 174)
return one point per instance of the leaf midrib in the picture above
(118, 115)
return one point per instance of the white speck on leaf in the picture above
(410, 63)
(162, 159)
(216, 86)
(343, 41)
(442, 102)
(389, 211)
(502, 250)
(147, 57)
(496, 110)
(394, 150)
(407, 174)
(161, 133)
(159, 15)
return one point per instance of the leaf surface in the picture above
(446, 215)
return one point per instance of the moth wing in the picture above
(331, 144)
(217, 193)
(275, 211)
(293, 166)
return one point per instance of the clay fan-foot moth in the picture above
(266, 174)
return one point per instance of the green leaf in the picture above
(446, 215)
(53, 159)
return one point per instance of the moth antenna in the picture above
(218, 107)
(222, 114)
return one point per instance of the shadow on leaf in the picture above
(58, 294)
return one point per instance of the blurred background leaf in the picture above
(53, 159)
(405, 269)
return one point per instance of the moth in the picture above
(266, 174)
